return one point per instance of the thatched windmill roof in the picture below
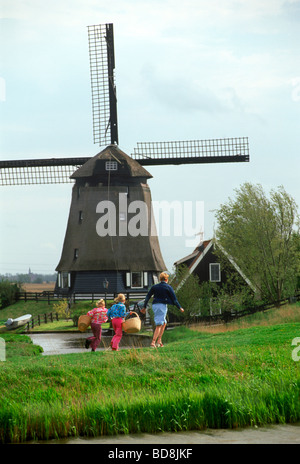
(96, 166)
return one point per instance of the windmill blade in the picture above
(104, 99)
(59, 170)
(39, 171)
(229, 150)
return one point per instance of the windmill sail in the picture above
(59, 170)
(39, 171)
(104, 98)
(193, 151)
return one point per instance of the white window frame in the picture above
(141, 277)
(64, 277)
(155, 278)
(211, 265)
(145, 279)
(111, 166)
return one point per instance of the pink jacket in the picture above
(98, 315)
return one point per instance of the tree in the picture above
(9, 293)
(261, 233)
(188, 293)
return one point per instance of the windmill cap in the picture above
(125, 165)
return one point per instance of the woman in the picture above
(163, 294)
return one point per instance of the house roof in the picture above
(189, 259)
(193, 260)
(127, 166)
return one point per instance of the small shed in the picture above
(212, 266)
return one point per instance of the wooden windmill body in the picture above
(100, 253)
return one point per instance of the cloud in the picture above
(48, 246)
(185, 95)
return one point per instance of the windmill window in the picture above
(76, 253)
(155, 278)
(137, 280)
(134, 279)
(80, 218)
(64, 279)
(111, 166)
(214, 272)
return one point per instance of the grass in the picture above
(238, 378)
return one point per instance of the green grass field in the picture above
(201, 378)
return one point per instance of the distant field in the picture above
(39, 287)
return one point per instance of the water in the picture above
(275, 434)
(66, 343)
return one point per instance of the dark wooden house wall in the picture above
(227, 269)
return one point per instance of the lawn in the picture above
(243, 377)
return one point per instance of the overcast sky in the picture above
(185, 70)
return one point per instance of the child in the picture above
(117, 313)
(98, 316)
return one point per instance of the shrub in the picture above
(9, 293)
(62, 308)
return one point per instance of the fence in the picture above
(41, 319)
(53, 296)
(228, 316)
(37, 296)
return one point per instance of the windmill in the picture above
(99, 255)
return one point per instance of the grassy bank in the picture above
(244, 377)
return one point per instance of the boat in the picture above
(18, 322)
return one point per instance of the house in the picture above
(211, 263)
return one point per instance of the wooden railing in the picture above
(54, 296)
(41, 319)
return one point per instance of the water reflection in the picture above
(66, 343)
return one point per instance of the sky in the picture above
(185, 70)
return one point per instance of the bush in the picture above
(62, 308)
(188, 293)
(9, 293)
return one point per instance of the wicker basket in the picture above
(84, 322)
(132, 325)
